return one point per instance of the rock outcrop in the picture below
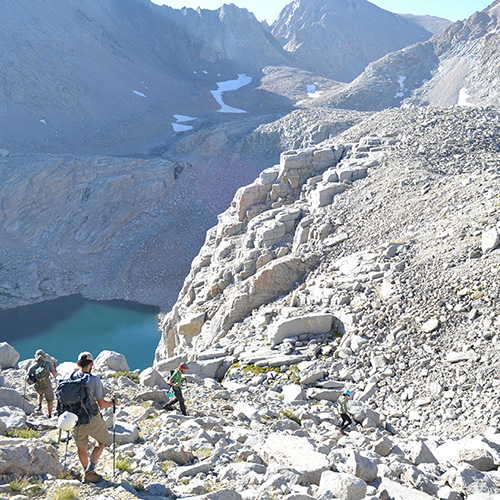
(376, 288)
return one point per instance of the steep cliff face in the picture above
(339, 38)
(103, 227)
(388, 237)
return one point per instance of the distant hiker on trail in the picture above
(39, 374)
(342, 408)
(90, 421)
(175, 381)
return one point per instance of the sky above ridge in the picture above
(268, 10)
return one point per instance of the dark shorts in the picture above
(48, 392)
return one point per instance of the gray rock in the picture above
(13, 418)
(481, 459)
(151, 378)
(421, 454)
(124, 432)
(10, 397)
(490, 240)
(8, 356)
(361, 467)
(293, 392)
(294, 452)
(468, 479)
(383, 446)
(112, 360)
(396, 490)
(224, 494)
(309, 324)
(175, 453)
(191, 470)
(28, 457)
(341, 485)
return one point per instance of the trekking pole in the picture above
(66, 451)
(114, 439)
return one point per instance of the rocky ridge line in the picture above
(403, 261)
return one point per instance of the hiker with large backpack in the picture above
(83, 394)
(39, 374)
(175, 382)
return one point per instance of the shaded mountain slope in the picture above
(87, 76)
(457, 66)
(338, 38)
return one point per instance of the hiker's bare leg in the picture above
(50, 406)
(82, 455)
(40, 399)
(96, 452)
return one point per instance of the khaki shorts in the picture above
(96, 428)
(48, 392)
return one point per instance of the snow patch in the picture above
(184, 118)
(463, 97)
(401, 81)
(43, 121)
(226, 87)
(312, 91)
(178, 125)
(136, 92)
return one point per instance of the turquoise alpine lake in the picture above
(69, 325)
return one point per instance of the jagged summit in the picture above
(109, 75)
(338, 38)
(457, 66)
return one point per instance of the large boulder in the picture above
(295, 452)
(480, 459)
(292, 393)
(226, 494)
(420, 454)
(10, 397)
(111, 360)
(206, 367)
(341, 485)
(28, 457)
(490, 240)
(471, 481)
(151, 378)
(362, 467)
(13, 418)
(8, 356)
(175, 454)
(125, 433)
(307, 324)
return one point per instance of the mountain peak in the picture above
(338, 38)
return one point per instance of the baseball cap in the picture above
(85, 356)
(39, 354)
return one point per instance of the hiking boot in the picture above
(38, 409)
(91, 476)
(343, 432)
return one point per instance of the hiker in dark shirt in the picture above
(175, 381)
(342, 408)
(39, 374)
